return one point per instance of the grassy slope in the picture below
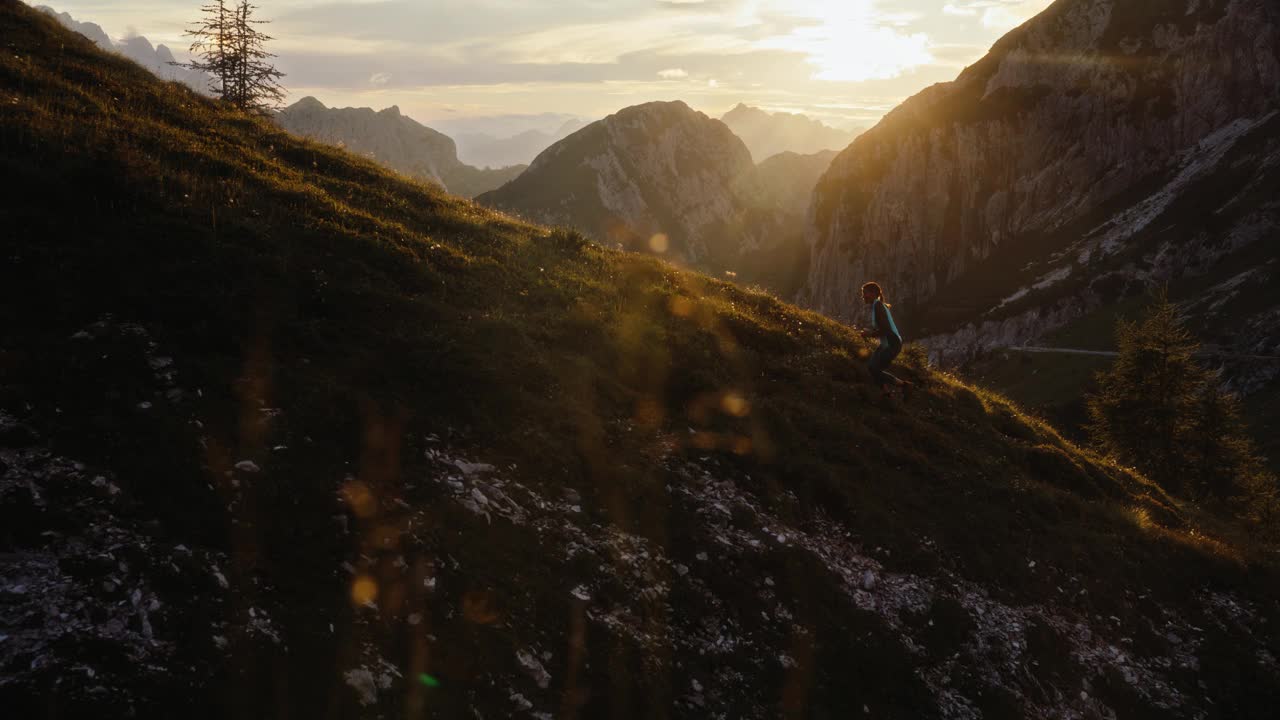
(376, 311)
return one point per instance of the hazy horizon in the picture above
(446, 62)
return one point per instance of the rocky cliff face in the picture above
(1075, 159)
(767, 134)
(397, 141)
(659, 177)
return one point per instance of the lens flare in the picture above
(359, 498)
(734, 404)
(648, 412)
(681, 306)
(364, 590)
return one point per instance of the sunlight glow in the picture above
(850, 41)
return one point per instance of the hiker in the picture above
(883, 327)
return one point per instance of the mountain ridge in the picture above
(659, 169)
(768, 134)
(395, 140)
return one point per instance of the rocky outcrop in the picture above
(397, 141)
(767, 134)
(158, 59)
(659, 177)
(1078, 147)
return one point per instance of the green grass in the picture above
(376, 311)
(1048, 385)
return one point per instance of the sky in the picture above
(448, 62)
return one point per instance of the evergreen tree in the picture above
(1144, 408)
(1260, 495)
(1158, 409)
(229, 47)
(1228, 467)
(1218, 449)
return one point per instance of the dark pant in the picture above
(882, 358)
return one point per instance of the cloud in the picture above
(380, 79)
(672, 74)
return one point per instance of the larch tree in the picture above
(229, 46)
(1143, 408)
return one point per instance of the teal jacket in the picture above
(882, 322)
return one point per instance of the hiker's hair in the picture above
(875, 288)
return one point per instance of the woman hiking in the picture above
(883, 327)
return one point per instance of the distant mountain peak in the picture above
(138, 43)
(309, 103)
(744, 109)
(156, 59)
(663, 170)
(658, 106)
(767, 134)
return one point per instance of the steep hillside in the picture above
(285, 434)
(663, 177)
(399, 142)
(767, 134)
(1103, 147)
